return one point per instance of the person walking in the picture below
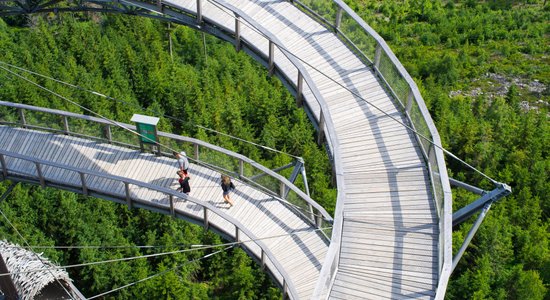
(227, 187)
(184, 182)
(183, 162)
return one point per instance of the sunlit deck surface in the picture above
(301, 254)
(390, 232)
(390, 224)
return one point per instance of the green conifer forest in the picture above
(483, 68)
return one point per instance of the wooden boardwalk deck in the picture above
(301, 254)
(390, 228)
(389, 242)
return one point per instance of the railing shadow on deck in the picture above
(347, 81)
(118, 188)
(33, 172)
(360, 37)
(199, 152)
(366, 43)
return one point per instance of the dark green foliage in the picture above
(128, 59)
(452, 47)
(445, 45)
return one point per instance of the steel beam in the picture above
(470, 235)
(502, 190)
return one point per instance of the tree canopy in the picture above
(483, 69)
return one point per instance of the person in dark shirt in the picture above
(227, 187)
(184, 182)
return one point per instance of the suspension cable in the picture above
(194, 248)
(5, 195)
(106, 246)
(284, 49)
(161, 273)
(114, 122)
(142, 109)
(86, 109)
(106, 261)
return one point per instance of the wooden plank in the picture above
(151, 176)
(376, 132)
(413, 177)
(408, 288)
(370, 127)
(240, 211)
(389, 265)
(395, 257)
(52, 143)
(21, 145)
(388, 289)
(390, 158)
(350, 88)
(388, 249)
(271, 217)
(428, 229)
(396, 238)
(389, 275)
(362, 97)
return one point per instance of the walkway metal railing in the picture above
(361, 39)
(270, 53)
(38, 170)
(369, 46)
(202, 153)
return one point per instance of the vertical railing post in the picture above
(237, 33)
(128, 198)
(285, 289)
(22, 117)
(199, 12)
(196, 151)
(318, 220)
(172, 210)
(300, 89)
(237, 235)
(66, 125)
(83, 182)
(40, 176)
(338, 20)
(159, 6)
(262, 260)
(410, 99)
(4, 166)
(108, 134)
(271, 63)
(321, 128)
(241, 168)
(282, 190)
(311, 212)
(205, 214)
(377, 55)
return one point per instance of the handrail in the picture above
(435, 149)
(165, 191)
(433, 152)
(332, 258)
(190, 140)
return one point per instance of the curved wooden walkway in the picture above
(295, 244)
(390, 235)
(391, 239)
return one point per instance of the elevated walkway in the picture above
(392, 226)
(281, 233)
(389, 241)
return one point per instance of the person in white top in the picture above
(183, 162)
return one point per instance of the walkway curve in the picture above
(264, 222)
(393, 189)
